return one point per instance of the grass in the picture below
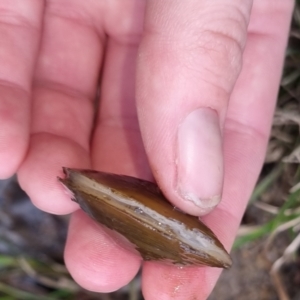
(283, 217)
(14, 268)
(58, 283)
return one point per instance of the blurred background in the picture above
(266, 252)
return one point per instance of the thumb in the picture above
(189, 59)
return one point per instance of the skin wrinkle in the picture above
(191, 27)
(49, 84)
(224, 93)
(67, 140)
(65, 126)
(237, 25)
(9, 17)
(83, 17)
(27, 58)
(15, 86)
(101, 34)
(244, 129)
(132, 40)
(19, 22)
(10, 114)
(191, 66)
(235, 34)
(85, 20)
(68, 91)
(225, 49)
(218, 228)
(207, 46)
(129, 123)
(218, 89)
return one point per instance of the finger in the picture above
(63, 110)
(189, 59)
(94, 258)
(116, 147)
(245, 139)
(254, 97)
(20, 28)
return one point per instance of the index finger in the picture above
(20, 29)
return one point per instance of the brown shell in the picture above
(138, 210)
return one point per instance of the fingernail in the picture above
(200, 159)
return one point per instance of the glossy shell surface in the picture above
(138, 210)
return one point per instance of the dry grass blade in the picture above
(274, 210)
(283, 227)
(288, 256)
(295, 188)
(245, 230)
(294, 157)
(267, 207)
(60, 281)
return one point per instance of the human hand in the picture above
(196, 110)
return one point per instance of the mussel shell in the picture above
(138, 210)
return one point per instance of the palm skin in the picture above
(156, 63)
